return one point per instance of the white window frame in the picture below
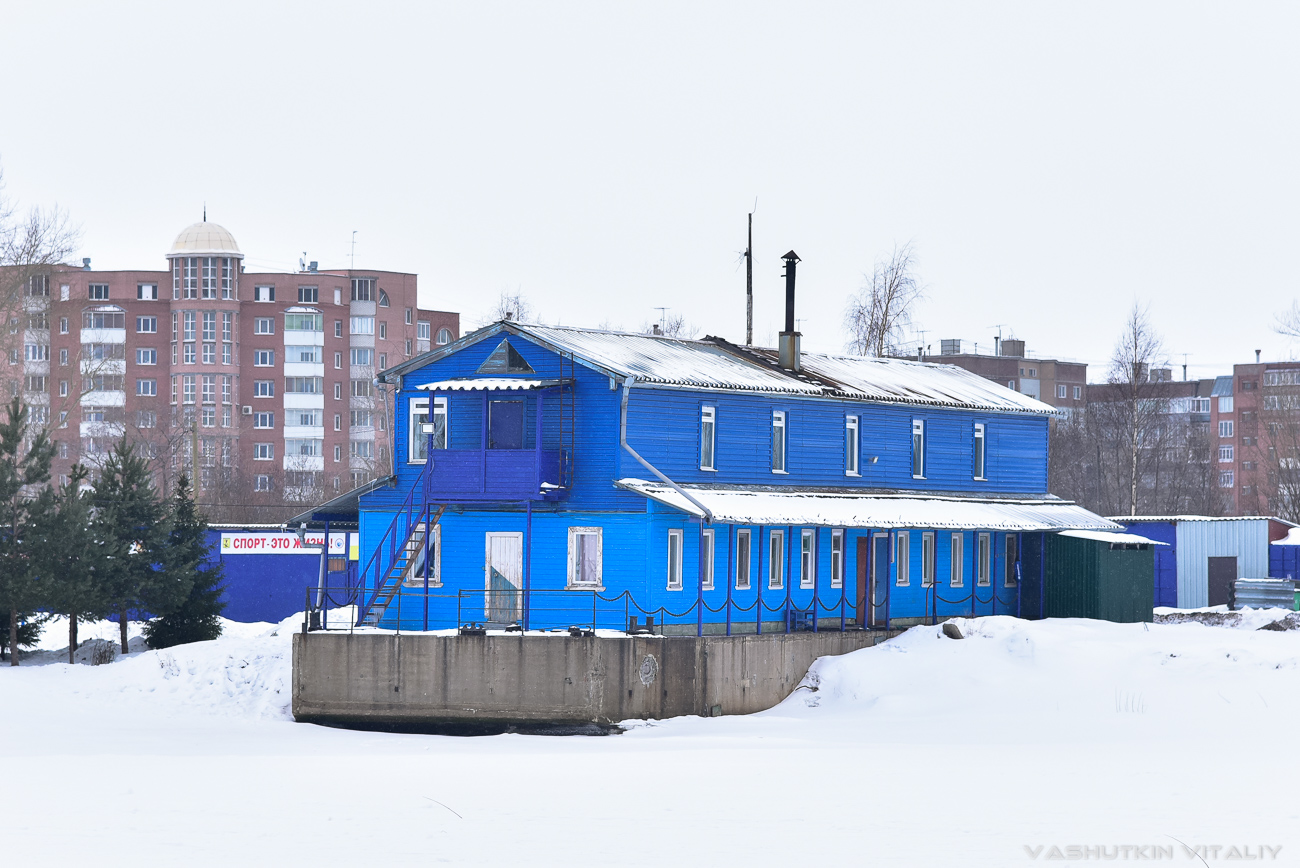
(956, 560)
(981, 453)
(778, 454)
(1062, 390)
(263, 358)
(837, 557)
(1225, 428)
(708, 438)
(775, 560)
(1225, 453)
(263, 293)
(745, 545)
(416, 434)
(146, 387)
(707, 556)
(918, 449)
(852, 446)
(984, 560)
(263, 451)
(807, 558)
(263, 325)
(140, 325)
(674, 555)
(902, 559)
(1078, 393)
(928, 558)
(146, 356)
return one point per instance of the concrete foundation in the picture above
(413, 679)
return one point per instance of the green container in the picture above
(1085, 578)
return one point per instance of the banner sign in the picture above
(282, 544)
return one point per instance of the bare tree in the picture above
(512, 306)
(1288, 322)
(879, 313)
(672, 326)
(1137, 413)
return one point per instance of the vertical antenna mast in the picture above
(749, 284)
(354, 249)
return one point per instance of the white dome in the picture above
(205, 239)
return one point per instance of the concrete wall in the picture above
(367, 678)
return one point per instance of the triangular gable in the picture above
(505, 359)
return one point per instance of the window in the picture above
(209, 417)
(776, 559)
(305, 418)
(362, 356)
(303, 355)
(338, 391)
(63, 356)
(263, 420)
(383, 361)
(1078, 393)
(209, 389)
(103, 319)
(807, 558)
(363, 449)
(308, 295)
(146, 419)
(408, 316)
(264, 293)
(188, 388)
(903, 557)
(41, 352)
(146, 325)
(955, 561)
(422, 331)
(146, 291)
(706, 557)
(444, 337)
(38, 285)
(1010, 576)
(1225, 454)
(360, 419)
(1061, 390)
(979, 450)
(408, 347)
(674, 559)
(264, 325)
(363, 289)
(34, 384)
(743, 549)
(225, 388)
(304, 448)
(851, 446)
(778, 441)
(918, 449)
(264, 358)
(1225, 404)
(707, 419)
(927, 559)
(146, 357)
(338, 361)
(361, 388)
(1225, 428)
(99, 292)
(63, 388)
(338, 453)
(1225, 479)
(383, 298)
(63, 324)
(1033, 372)
(189, 329)
(983, 566)
(302, 385)
(262, 482)
(837, 558)
(1011, 384)
(338, 328)
(362, 325)
(418, 436)
(264, 388)
(585, 557)
(304, 322)
(338, 422)
(146, 387)
(263, 451)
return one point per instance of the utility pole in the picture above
(749, 284)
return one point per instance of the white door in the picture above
(503, 600)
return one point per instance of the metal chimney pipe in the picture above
(788, 350)
(1257, 352)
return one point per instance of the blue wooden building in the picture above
(552, 476)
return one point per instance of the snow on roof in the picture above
(1116, 538)
(488, 384)
(1134, 519)
(874, 509)
(716, 365)
(1292, 538)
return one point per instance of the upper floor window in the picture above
(422, 331)
(146, 291)
(146, 325)
(264, 325)
(418, 433)
(778, 441)
(444, 337)
(104, 318)
(308, 295)
(1225, 428)
(851, 446)
(918, 449)
(1225, 404)
(363, 289)
(38, 285)
(264, 293)
(383, 298)
(1078, 393)
(304, 322)
(363, 325)
(99, 292)
(707, 437)
(1061, 390)
(979, 450)
(1225, 454)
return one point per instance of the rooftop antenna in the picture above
(997, 341)
(205, 212)
(1185, 355)
(749, 280)
(663, 318)
(354, 249)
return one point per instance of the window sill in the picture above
(914, 476)
(584, 587)
(807, 587)
(674, 588)
(980, 478)
(776, 587)
(782, 472)
(709, 469)
(902, 584)
(418, 584)
(852, 473)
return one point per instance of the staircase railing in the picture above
(414, 511)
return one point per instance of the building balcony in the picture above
(498, 474)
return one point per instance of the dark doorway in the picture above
(879, 579)
(1222, 576)
(864, 567)
(506, 425)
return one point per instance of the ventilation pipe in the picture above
(1257, 352)
(789, 347)
(85, 263)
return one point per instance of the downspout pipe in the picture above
(628, 382)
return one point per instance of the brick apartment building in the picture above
(1255, 414)
(270, 375)
(1060, 384)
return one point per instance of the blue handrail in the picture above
(407, 509)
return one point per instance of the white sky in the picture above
(1052, 163)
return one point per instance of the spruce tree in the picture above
(72, 558)
(29, 632)
(25, 500)
(197, 619)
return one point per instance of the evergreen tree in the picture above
(25, 500)
(197, 618)
(29, 632)
(130, 518)
(72, 558)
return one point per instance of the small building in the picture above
(1206, 554)
(1106, 576)
(268, 570)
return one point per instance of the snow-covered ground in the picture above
(991, 750)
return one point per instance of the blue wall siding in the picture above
(263, 587)
(1166, 558)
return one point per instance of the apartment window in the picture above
(903, 558)
(776, 559)
(707, 422)
(304, 322)
(225, 417)
(262, 482)
(422, 331)
(585, 557)
(146, 387)
(338, 328)
(338, 422)
(264, 358)
(146, 325)
(146, 419)
(34, 384)
(1225, 454)
(308, 295)
(778, 441)
(110, 318)
(918, 449)
(927, 559)
(63, 388)
(338, 453)
(264, 325)
(209, 354)
(190, 355)
(302, 385)
(263, 420)
(1061, 390)
(444, 337)
(41, 352)
(210, 266)
(63, 356)
(1011, 384)
(417, 436)
(63, 324)
(979, 450)
(807, 558)
(837, 558)
(1225, 428)
(743, 550)
(264, 388)
(362, 325)
(408, 347)
(362, 356)
(383, 298)
(706, 557)
(209, 389)
(1225, 404)
(851, 448)
(209, 420)
(225, 388)
(1225, 479)
(363, 449)
(383, 361)
(146, 291)
(264, 293)
(338, 391)
(383, 330)
(227, 321)
(303, 448)
(983, 560)
(263, 451)
(305, 418)
(1078, 393)
(360, 419)
(99, 292)
(188, 390)
(955, 563)
(674, 559)
(209, 325)
(361, 388)
(1033, 372)
(310, 355)
(38, 285)
(363, 289)
(188, 325)
(409, 316)
(1012, 565)
(338, 361)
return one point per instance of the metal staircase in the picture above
(404, 567)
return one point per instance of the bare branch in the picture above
(878, 315)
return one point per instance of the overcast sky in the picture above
(1052, 163)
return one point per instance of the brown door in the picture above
(864, 564)
(1222, 576)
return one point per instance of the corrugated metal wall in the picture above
(1198, 541)
(1088, 579)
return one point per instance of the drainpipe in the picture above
(622, 439)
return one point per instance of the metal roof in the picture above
(1222, 387)
(884, 510)
(344, 509)
(714, 364)
(1110, 537)
(1133, 519)
(489, 384)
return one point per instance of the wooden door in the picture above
(506, 425)
(863, 570)
(503, 597)
(1222, 577)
